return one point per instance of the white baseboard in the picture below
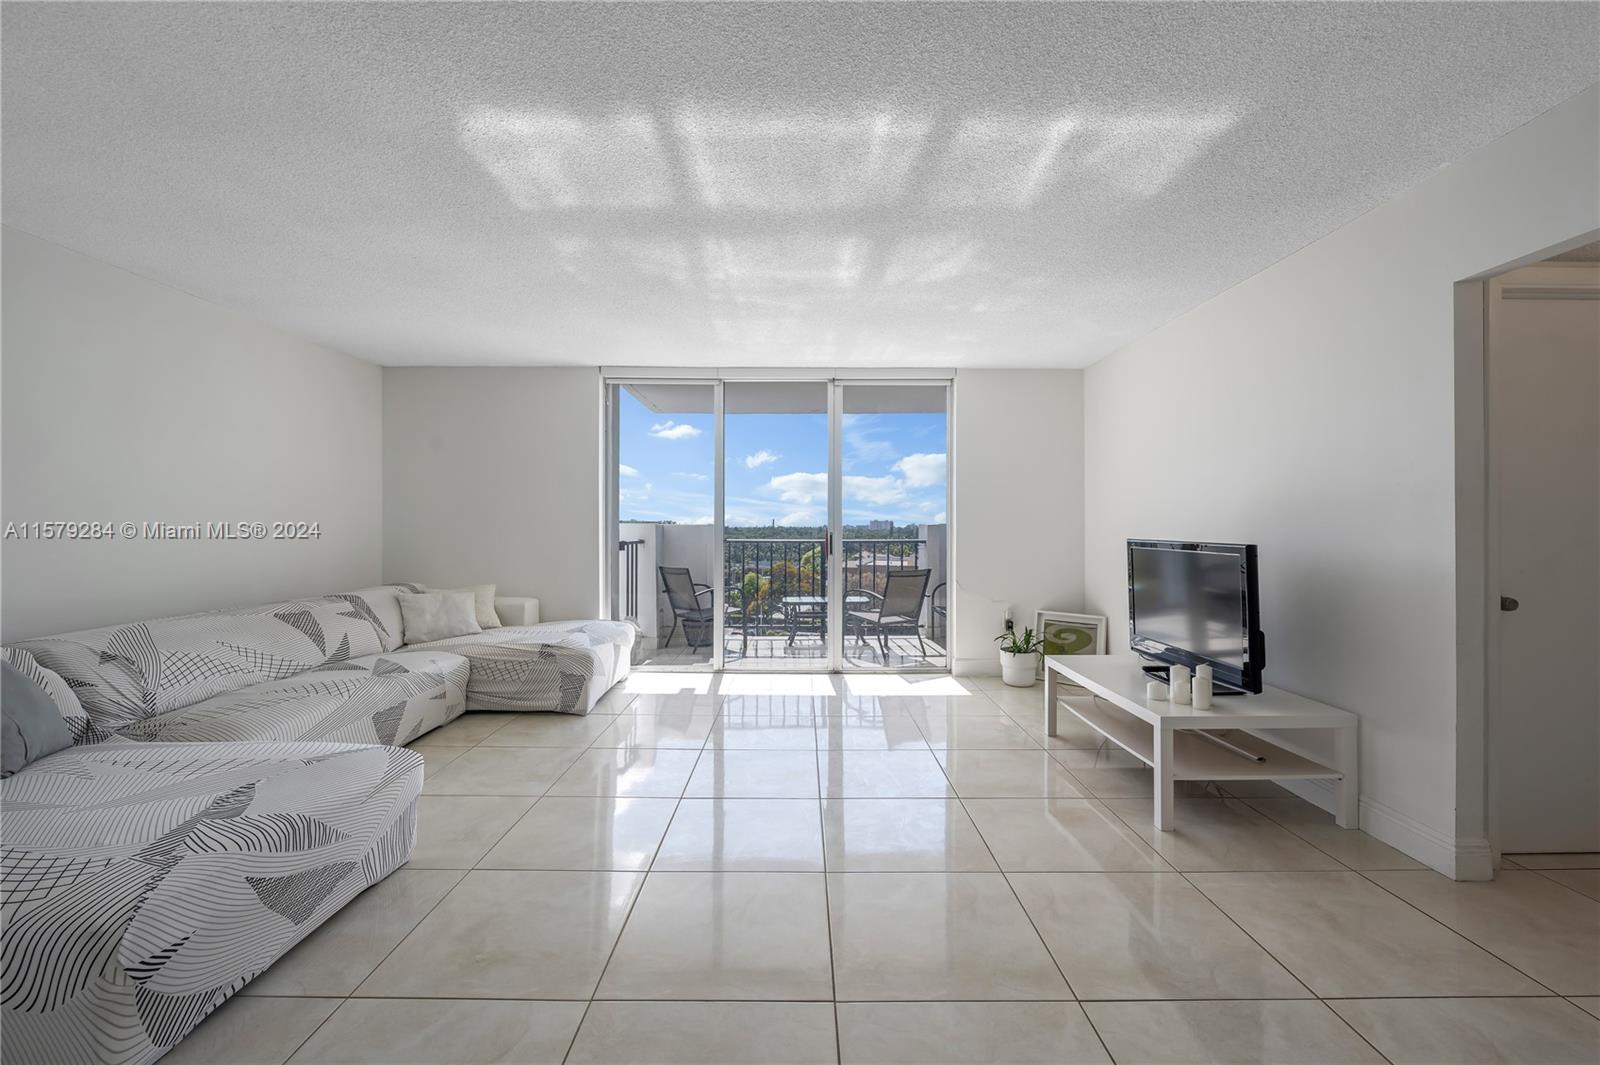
(1457, 858)
(988, 666)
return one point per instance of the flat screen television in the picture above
(1197, 603)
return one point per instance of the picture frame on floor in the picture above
(1065, 633)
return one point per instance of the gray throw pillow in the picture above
(30, 725)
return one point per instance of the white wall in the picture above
(1311, 410)
(1018, 514)
(125, 400)
(493, 474)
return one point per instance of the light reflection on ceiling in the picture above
(743, 184)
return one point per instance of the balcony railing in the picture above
(772, 569)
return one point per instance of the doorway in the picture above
(781, 524)
(1542, 358)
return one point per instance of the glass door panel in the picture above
(667, 578)
(775, 526)
(893, 536)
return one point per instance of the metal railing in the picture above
(761, 573)
(630, 578)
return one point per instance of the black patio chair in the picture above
(898, 610)
(684, 595)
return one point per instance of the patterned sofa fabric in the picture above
(83, 730)
(142, 884)
(387, 698)
(564, 666)
(123, 674)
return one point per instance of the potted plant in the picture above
(1019, 657)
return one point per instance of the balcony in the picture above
(772, 597)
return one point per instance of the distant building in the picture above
(880, 526)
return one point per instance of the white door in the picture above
(1544, 432)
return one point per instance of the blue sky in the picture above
(894, 467)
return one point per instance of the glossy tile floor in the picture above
(892, 869)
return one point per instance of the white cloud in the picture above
(671, 430)
(879, 491)
(624, 470)
(760, 458)
(922, 470)
(704, 519)
(800, 517)
(693, 476)
(802, 489)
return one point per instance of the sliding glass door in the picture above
(794, 525)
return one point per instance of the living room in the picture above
(515, 516)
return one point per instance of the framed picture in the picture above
(1070, 634)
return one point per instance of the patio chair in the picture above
(898, 610)
(939, 612)
(684, 595)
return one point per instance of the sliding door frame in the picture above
(836, 381)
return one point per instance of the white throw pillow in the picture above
(483, 599)
(438, 616)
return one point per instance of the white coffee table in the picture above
(1162, 734)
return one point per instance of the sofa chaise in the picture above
(235, 778)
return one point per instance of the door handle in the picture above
(1508, 604)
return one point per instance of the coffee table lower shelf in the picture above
(1194, 758)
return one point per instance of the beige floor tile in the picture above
(1056, 835)
(756, 732)
(665, 731)
(436, 756)
(680, 705)
(998, 733)
(428, 1031)
(754, 775)
(1120, 783)
(1546, 1031)
(1235, 1033)
(511, 935)
(1316, 826)
(907, 774)
(724, 936)
(749, 835)
(1576, 860)
(967, 1033)
(944, 707)
(932, 936)
(336, 957)
(901, 835)
(1548, 931)
(896, 732)
(549, 730)
(647, 773)
(502, 771)
(468, 730)
(1590, 1004)
(981, 774)
(1106, 757)
(454, 831)
(568, 832)
(615, 701)
(1146, 936)
(706, 1033)
(1347, 937)
(1221, 835)
(251, 1031)
(1586, 881)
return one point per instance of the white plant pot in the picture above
(1018, 670)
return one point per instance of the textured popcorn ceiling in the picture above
(749, 184)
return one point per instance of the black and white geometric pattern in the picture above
(564, 666)
(142, 884)
(388, 698)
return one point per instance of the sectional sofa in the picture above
(235, 778)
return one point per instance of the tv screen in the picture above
(1195, 603)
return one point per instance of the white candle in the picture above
(1201, 691)
(1155, 692)
(1178, 678)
